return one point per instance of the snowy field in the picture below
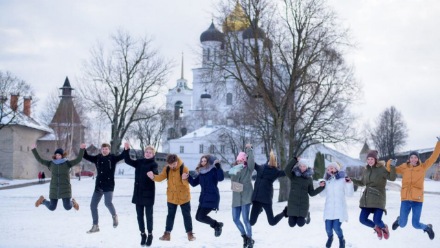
(24, 225)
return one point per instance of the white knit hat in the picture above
(335, 165)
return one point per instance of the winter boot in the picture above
(39, 201)
(285, 212)
(149, 239)
(245, 240)
(115, 221)
(218, 229)
(341, 242)
(166, 236)
(143, 239)
(191, 236)
(95, 228)
(250, 242)
(308, 218)
(430, 232)
(329, 242)
(75, 204)
(386, 233)
(395, 224)
(378, 231)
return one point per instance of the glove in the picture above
(217, 165)
(393, 162)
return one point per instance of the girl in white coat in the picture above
(335, 210)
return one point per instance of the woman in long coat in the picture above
(144, 190)
(60, 187)
(301, 187)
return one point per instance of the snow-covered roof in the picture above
(335, 156)
(22, 120)
(48, 137)
(205, 131)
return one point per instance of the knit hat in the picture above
(372, 154)
(241, 156)
(415, 154)
(304, 161)
(59, 151)
(334, 165)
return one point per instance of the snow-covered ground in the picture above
(23, 225)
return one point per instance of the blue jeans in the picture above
(52, 204)
(331, 225)
(405, 208)
(244, 212)
(96, 198)
(186, 212)
(377, 217)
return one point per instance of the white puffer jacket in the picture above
(335, 204)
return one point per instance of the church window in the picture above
(212, 149)
(182, 149)
(201, 148)
(229, 99)
(209, 53)
(222, 149)
(171, 133)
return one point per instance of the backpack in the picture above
(180, 169)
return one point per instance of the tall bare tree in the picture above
(390, 133)
(150, 131)
(121, 81)
(291, 56)
(11, 85)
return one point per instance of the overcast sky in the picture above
(397, 59)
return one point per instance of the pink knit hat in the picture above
(241, 156)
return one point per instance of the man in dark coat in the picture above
(144, 190)
(105, 182)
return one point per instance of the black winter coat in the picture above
(105, 168)
(301, 186)
(263, 187)
(144, 188)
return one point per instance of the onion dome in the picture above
(253, 31)
(212, 34)
(236, 21)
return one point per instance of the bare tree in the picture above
(120, 82)
(390, 133)
(150, 131)
(11, 85)
(293, 60)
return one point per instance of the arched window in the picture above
(183, 130)
(178, 110)
(229, 99)
(171, 133)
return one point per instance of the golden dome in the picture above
(236, 21)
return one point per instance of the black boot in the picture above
(250, 242)
(218, 229)
(308, 218)
(149, 239)
(143, 239)
(395, 224)
(430, 232)
(245, 240)
(285, 212)
(341, 242)
(329, 242)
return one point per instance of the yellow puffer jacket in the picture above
(413, 177)
(178, 191)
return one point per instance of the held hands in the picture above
(347, 179)
(150, 174)
(185, 176)
(322, 184)
(126, 146)
(393, 162)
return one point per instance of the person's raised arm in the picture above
(38, 158)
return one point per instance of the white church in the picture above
(202, 120)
